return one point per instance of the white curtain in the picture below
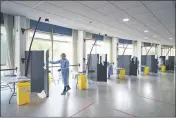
(9, 26)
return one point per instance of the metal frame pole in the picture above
(125, 49)
(29, 54)
(168, 51)
(149, 49)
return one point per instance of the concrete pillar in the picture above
(81, 50)
(20, 41)
(107, 48)
(75, 48)
(134, 48)
(114, 51)
(139, 55)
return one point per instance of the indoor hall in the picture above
(87, 58)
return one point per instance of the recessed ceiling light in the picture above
(146, 37)
(154, 36)
(145, 30)
(170, 38)
(126, 19)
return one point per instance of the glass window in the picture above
(39, 35)
(148, 49)
(167, 50)
(128, 50)
(62, 47)
(121, 51)
(121, 45)
(101, 47)
(62, 38)
(61, 44)
(130, 46)
(3, 46)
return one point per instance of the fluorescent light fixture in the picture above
(170, 38)
(145, 30)
(146, 37)
(126, 19)
(154, 36)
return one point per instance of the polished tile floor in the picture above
(152, 95)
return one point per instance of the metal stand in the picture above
(14, 93)
(7, 85)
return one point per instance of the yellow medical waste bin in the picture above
(82, 81)
(122, 73)
(146, 70)
(163, 68)
(49, 80)
(23, 93)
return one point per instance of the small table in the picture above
(13, 81)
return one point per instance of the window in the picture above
(3, 46)
(101, 47)
(42, 41)
(167, 50)
(62, 44)
(127, 49)
(148, 49)
(61, 38)
(39, 35)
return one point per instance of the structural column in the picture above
(134, 49)
(20, 41)
(114, 52)
(75, 48)
(139, 55)
(107, 46)
(81, 50)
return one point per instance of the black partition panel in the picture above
(36, 70)
(170, 63)
(152, 62)
(124, 62)
(102, 68)
(143, 62)
(97, 67)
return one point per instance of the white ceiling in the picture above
(158, 17)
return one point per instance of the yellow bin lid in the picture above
(23, 84)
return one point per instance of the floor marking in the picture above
(125, 113)
(82, 109)
(156, 100)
